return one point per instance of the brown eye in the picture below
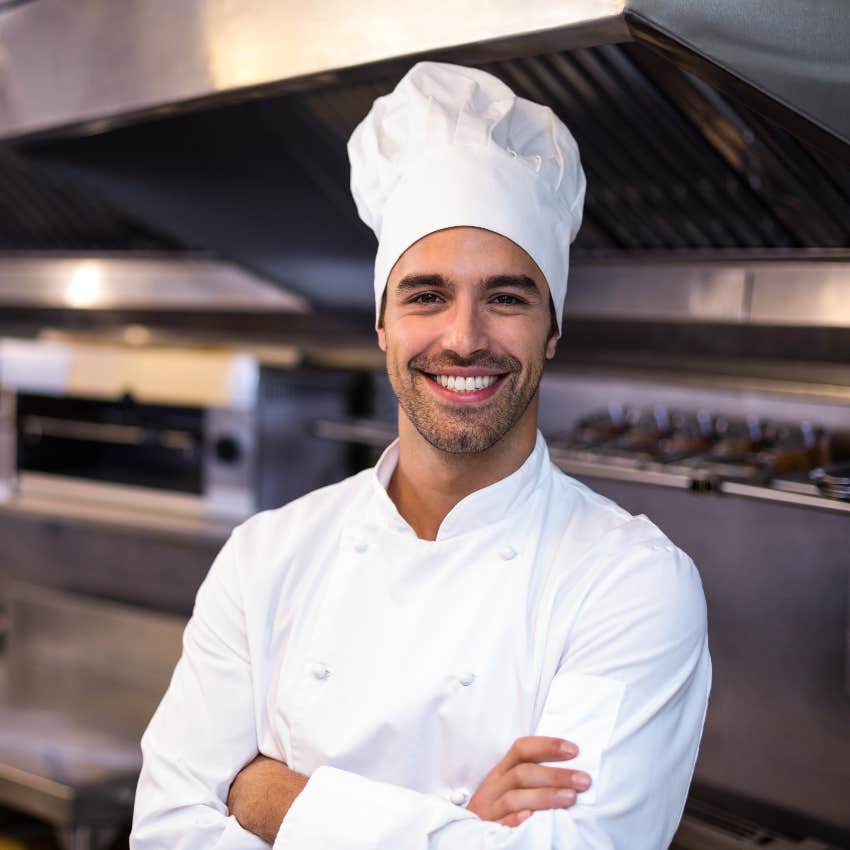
(425, 298)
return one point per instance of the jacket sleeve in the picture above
(631, 689)
(204, 730)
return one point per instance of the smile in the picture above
(465, 384)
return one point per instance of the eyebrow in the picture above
(500, 281)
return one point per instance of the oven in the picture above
(160, 433)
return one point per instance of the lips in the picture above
(465, 389)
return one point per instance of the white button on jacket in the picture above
(348, 663)
(460, 796)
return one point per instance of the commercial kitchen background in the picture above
(185, 313)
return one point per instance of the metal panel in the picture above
(794, 53)
(671, 165)
(91, 61)
(84, 678)
(137, 282)
(806, 294)
(54, 630)
(675, 293)
(796, 294)
(149, 565)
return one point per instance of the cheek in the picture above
(523, 343)
(412, 337)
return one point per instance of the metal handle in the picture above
(103, 432)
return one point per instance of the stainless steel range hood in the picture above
(221, 126)
(90, 65)
(116, 62)
(132, 281)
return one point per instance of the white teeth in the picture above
(459, 384)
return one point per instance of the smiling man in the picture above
(462, 647)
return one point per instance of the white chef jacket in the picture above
(396, 672)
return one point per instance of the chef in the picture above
(461, 647)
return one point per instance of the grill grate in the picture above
(672, 165)
(38, 212)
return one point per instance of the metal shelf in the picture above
(379, 434)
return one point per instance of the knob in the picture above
(228, 449)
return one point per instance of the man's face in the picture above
(466, 329)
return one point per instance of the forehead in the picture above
(466, 254)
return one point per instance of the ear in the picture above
(551, 345)
(382, 338)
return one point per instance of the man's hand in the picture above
(519, 785)
(261, 795)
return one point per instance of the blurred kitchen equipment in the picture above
(163, 432)
(833, 480)
(80, 680)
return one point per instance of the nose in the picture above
(465, 332)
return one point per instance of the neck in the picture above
(427, 482)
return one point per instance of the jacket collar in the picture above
(488, 506)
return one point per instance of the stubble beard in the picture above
(462, 428)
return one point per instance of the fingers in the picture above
(531, 775)
(532, 799)
(536, 748)
(515, 818)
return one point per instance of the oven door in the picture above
(114, 441)
(191, 461)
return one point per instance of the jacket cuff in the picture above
(346, 811)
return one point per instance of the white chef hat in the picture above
(452, 145)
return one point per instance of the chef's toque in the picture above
(451, 146)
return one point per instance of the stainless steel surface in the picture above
(172, 55)
(792, 53)
(805, 294)
(137, 282)
(49, 501)
(230, 475)
(780, 494)
(616, 472)
(110, 59)
(51, 630)
(7, 442)
(82, 678)
(671, 164)
(140, 507)
(660, 291)
(101, 553)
